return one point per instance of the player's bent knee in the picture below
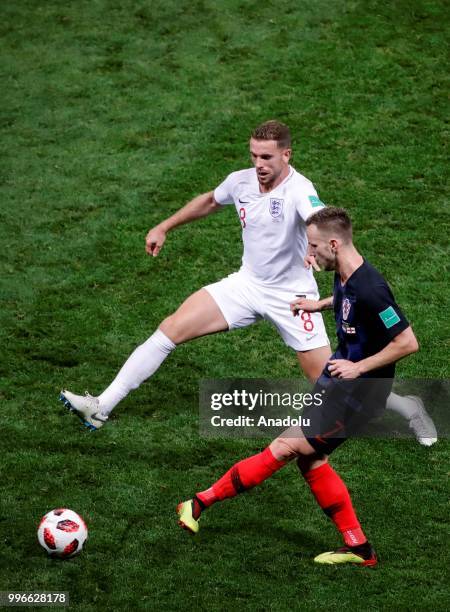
(172, 329)
(286, 449)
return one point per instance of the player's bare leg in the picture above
(292, 444)
(198, 316)
(313, 362)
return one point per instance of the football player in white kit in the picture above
(272, 201)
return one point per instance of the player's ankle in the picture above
(197, 507)
(354, 537)
(206, 498)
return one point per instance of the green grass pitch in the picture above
(112, 115)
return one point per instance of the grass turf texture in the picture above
(113, 115)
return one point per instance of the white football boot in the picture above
(86, 407)
(422, 424)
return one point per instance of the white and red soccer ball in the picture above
(62, 533)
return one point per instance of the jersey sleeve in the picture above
(386, 316)
(308, 202)
(223, 194)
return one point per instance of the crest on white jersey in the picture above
(276, 207)
(346, 305)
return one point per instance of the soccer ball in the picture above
(62, 533)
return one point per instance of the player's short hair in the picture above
(273, 130)
(332, 219)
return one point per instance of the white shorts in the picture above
(243, 301)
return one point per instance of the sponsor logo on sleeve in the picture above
(389, 317)
(276, 207)
(315, 202)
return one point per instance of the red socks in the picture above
(333, 497)
(241, 477)
(327, 487)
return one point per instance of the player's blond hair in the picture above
(273, 130)
(333, 220)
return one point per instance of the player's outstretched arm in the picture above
(402, 345)
(201, 206)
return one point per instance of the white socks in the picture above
(405, 406)
(140, 365)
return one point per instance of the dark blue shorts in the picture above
(347, 407)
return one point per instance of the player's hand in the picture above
(309, 261)
(304, 304)
(342, 368)
(155, 240)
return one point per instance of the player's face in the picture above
(321, 247)
(270, 161)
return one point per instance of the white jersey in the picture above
(273, 227)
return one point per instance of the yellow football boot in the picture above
(186, 519)
(363, 555)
